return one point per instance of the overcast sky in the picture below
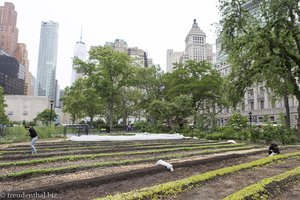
(151, 25)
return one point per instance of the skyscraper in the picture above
(139, 56)
(21, 54)
(9, 30)
(79, 52)
(45, 83)
(196, 48)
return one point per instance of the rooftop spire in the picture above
(81, 34)
(80, 41)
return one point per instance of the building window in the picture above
(25, 113)
(10, 112)
(262, 103)
(261, 90)
(252, 105)
(250, 93)
(243, 106)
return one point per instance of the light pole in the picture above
(250, 117)
(51, 105)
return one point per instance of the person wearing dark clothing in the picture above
(33, 134)
(273, 149)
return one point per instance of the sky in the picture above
(151, 25)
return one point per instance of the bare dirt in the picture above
(221, 187)
(97, 182)
(120, 182)
(290, 193)
(26, 154)
(30, 182)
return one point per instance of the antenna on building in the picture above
(81, 34)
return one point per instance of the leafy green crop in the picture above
(254, 190)
(109, 163)
(178, 186)
(94, 156)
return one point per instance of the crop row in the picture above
(110, 144)
(94, 156)
(178, 186)
(258, 190)
(67, 169)
(106, 148)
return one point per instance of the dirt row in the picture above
(93, 150)
(99, 182)
(290, 193)
(215, 189)
(27, 155)
(221, 187)
(65, 163)
(64, 144)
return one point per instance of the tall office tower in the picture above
(196, 47)
(12, 74)
(173, 58)
(80, 52)
(9, 30)
(139, 56)
(45, 83)
(21, 55)
(120, 45)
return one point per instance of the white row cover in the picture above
(138, 136)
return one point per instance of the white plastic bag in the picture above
(165, 164)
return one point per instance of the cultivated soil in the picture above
(101, 181)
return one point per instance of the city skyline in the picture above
(153, 27)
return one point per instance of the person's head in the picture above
(274, 145)
(27, 126)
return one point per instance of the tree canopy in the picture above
(262, 40)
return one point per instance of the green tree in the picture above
(3, 116)
(173, 112)
(71, 104)
(238, 122)
(83, 100)
(45, 115)
(129, 104)
(150, 83)
(201, 82)
(108, 71)
(264, 43)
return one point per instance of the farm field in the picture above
(203, 169)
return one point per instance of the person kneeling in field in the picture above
(273, 149)
(33, 134)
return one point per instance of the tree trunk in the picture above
(111, 113)
(213, 117)
(298, 118)
(287, 110)
(91, 120)
(124, 119)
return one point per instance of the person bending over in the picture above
(33, 134)
(273, 149)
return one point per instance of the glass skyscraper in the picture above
(79, 52)
(45, 79)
